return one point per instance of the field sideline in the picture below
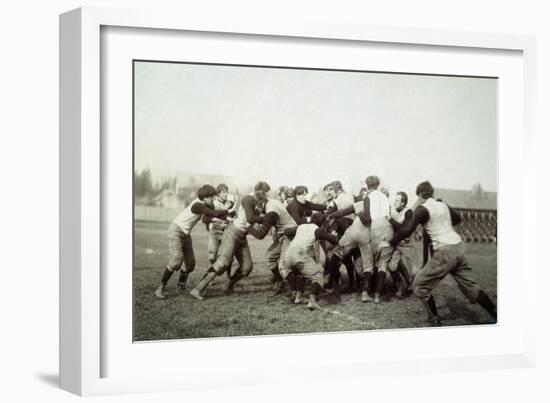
(251, 310)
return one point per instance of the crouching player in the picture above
(448, 257)
(300, 255)
(180, 245)
(234, 242)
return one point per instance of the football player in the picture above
(377, 205)
(403, 261)
(215, 226)
(300, 257)
(300, 208)
(342, 200)
(438, 219)
(180, 245)
(234, 243)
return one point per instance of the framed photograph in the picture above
(262, 198)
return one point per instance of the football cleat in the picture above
(376, 298)
(312, 305)
(180, 286)
(196, 294)
(365, 297)
(159, 292)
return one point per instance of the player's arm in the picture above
(420, 216)
(201, 208)
(341, 213)
(322, 235)
(365, 216)
(455, 216)
(397, 225)
(249, 209)
(314, 206)
(269, 221)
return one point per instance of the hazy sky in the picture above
(310, 127)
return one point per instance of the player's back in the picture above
(305, 237)
(379, 205)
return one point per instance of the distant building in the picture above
(478, 210)
(187, 184)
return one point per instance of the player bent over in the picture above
(180, 245)
(300, 255)
(234, 243)
(403, 261)
(448, 257)
(276, 251)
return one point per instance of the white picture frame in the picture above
(83, 178)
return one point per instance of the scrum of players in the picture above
(367, 234)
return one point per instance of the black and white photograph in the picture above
(270, 200)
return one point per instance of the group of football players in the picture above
(367, 234)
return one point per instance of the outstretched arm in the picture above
(201, 208)
(420, 216)
(314, 206)
(343, 212)
(397, 225)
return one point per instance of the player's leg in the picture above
(367, 268)
(189, 262)
(175, 259)
(230, 239)
(313, 271)
(273, 255)
(244, 258)
(393, 268)
(462, 274)
(381, 263)
(440, 264)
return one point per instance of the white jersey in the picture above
(379, 206)
(304, 238)
(240, 220)
(343, 201)
(399, 216)
(439, 227)
(186, 220)
(285, 219)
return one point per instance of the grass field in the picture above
(252, 311)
